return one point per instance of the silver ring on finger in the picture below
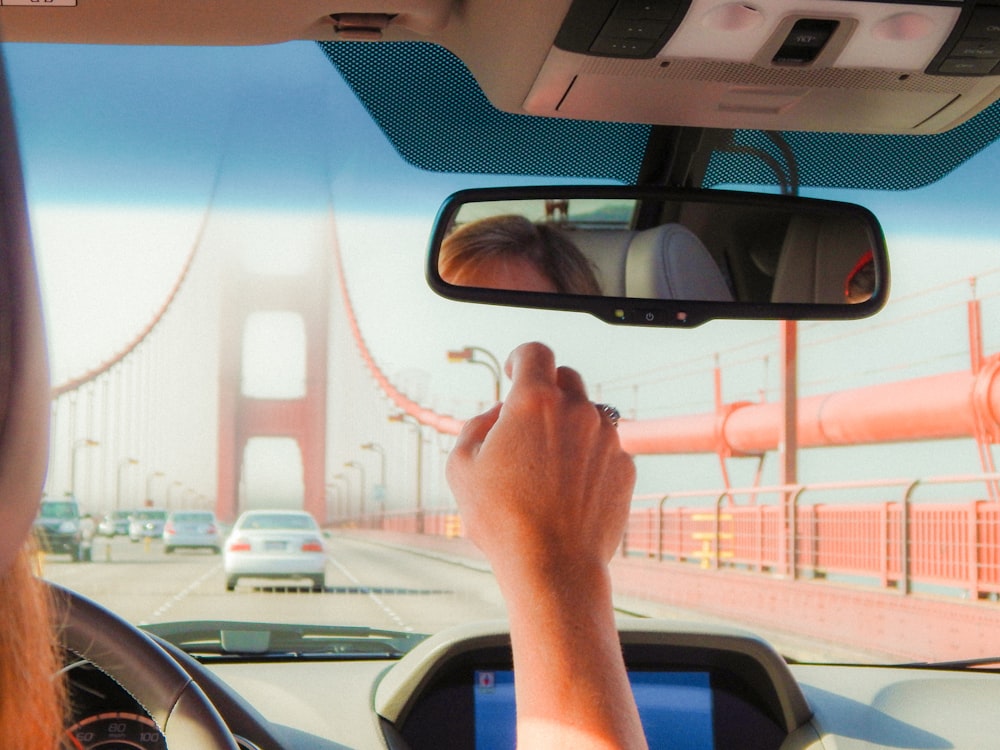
(610, 412)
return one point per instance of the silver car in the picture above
(114, 524)
(192, 529)
(275, 544)
(147, 523)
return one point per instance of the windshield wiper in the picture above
(220, 640)
(986, 663)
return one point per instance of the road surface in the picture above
(367, 584)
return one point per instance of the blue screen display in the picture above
(675, 708)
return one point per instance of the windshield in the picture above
(193, 517)
(261, 521)
(58, 510)
(231, 255)
(149, 515)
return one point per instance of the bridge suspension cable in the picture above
(109, 446)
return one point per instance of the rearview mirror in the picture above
(660, 257)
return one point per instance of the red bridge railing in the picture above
(899, 541)
(946, 544)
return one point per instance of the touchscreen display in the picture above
(675, 708)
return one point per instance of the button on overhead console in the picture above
(653, 10)
(805, 41)
(630, 28)
(978, 48)
(984, 23)
(620, 28)
(636, 28)
(966, 66)
(619, 47)
(974, 46)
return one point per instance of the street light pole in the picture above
(175, 483)
(344, 495)
(403, 418)
(379, 493)
(118, 484)
(491, 363)
(347, 492)
(81, 443)
(468, 354)
(361, 476)
(333, 493)
(149, 486)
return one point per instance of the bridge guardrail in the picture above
(893, 542)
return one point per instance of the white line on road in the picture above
(372, 595)
(182, 593)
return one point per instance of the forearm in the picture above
(544, 489)
(572, 688)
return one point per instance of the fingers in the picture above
(571, 382)
(534, 364)
(462, 459)
(531, 363)
(475, 430)
(545, 469)
(532, 370)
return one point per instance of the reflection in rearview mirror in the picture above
(661, 257)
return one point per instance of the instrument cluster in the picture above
(104, 715)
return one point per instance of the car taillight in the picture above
(210, 529)
(312, 545)
(169, 528)
(239, 545)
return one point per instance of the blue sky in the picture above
(285, 104)
(265, 116)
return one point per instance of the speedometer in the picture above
(116, 730)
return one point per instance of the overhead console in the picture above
(829, 65)
(717, 689)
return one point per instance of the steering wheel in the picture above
(175, 702)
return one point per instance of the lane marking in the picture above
(183, 593)
(371, 595)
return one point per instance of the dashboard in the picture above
(695, 691)
(698, 688)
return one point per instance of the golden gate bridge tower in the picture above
(302, 418)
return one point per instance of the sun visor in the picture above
(822, 65)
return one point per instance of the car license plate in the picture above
(270, 546)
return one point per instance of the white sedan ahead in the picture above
(275, 544)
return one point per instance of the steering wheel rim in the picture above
(133, 659)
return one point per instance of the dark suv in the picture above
(58, 528)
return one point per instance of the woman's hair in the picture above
(31, 687)
(498, 237)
